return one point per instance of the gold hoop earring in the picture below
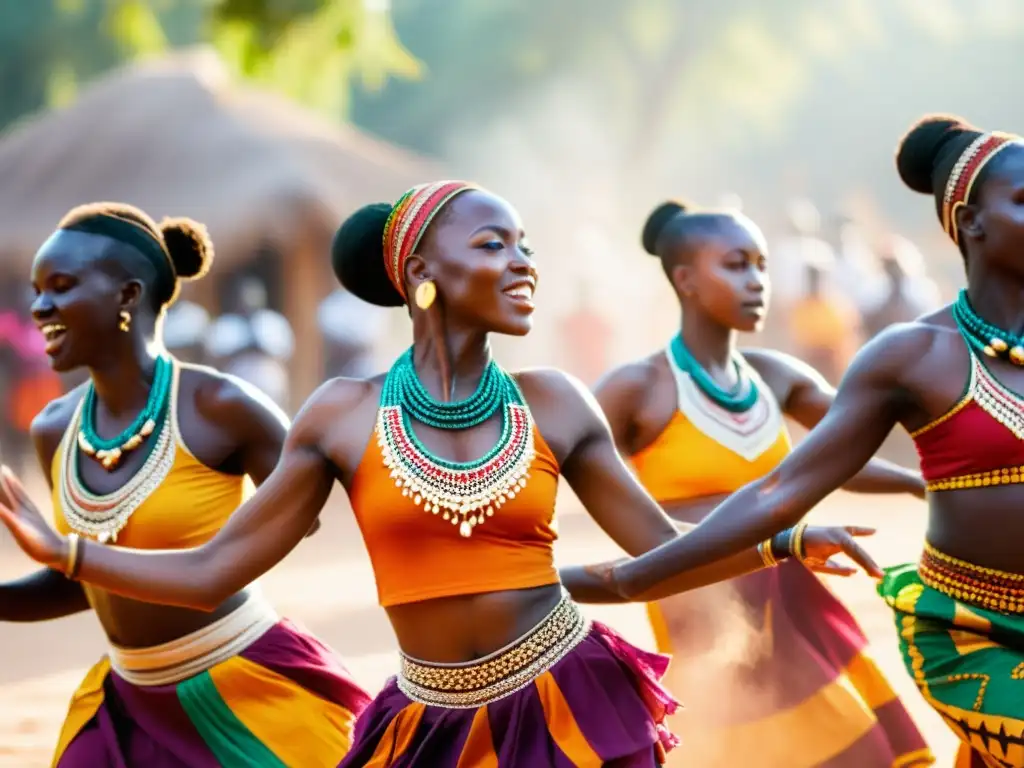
(426, 292)
(126, 321)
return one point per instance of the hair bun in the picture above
(189, 245)
(357, 255)
(656, 222)
(922, 147)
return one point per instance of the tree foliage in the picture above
(311, 49)
(308, 49)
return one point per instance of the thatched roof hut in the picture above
(176, 137)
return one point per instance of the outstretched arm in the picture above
(808, 397)
(256, 537)
(867, 407)
(631, 517)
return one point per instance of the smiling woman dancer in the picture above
(771, 663)
(178, 687)
(498, 665)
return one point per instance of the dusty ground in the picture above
(328, 586)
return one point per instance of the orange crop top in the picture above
(417, 555)
(183, 504)
(706, 450)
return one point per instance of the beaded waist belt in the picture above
(984, 587)
(1005, 476)
(502, 673)
(199, 651)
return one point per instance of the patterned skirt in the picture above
(568, 694)
(968, 663)
(248, 690)
(774, 672)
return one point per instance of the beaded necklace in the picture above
(748, 433)
(108, 452)
(466, 494)
(985, 337)
(741, 398)
(103, 516)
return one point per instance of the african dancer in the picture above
(772, 663)
(152, 454)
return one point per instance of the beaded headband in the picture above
(966, 171)
(409, 219)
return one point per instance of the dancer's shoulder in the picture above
(337, 397)
(550, 384)
(55, 416)
(907, 356)
(339, 406)
(916, 339)
(561, 404)
(226, 400)
(633, 378)
(51, 422)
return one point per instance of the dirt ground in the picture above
(328, 586)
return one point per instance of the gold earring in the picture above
(426, 292)
(126, 321)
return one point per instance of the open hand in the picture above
(34, 534)
(820, 543)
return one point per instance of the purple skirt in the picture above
(286, 700)
(601, 704)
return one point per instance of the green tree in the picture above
(308, 49)
(46, 45)
(311, 49)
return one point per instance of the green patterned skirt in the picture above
(968, 663)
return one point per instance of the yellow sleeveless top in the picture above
(179, 502)
(706, 450)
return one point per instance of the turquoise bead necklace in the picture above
(738, 400)
(403, 387)
(109, 451)
(983, 336)
(463, 493)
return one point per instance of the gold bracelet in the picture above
(797, 542)
(764, 549)
(71, 564)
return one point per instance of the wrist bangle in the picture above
(782, 544)
(798, 541)
(764, 549)
(73, 560)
